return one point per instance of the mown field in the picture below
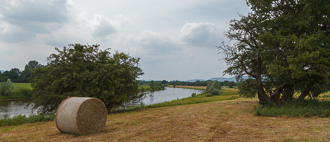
(216, 120)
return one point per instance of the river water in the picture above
(11, 108)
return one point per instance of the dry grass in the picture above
(215, 121)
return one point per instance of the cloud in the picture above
(26, 19)
(200, 34)
(155, 44)
(102, 26)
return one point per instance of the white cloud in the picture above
(200, 34)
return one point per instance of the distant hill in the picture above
(215, 78)
(228, 79)
(194, 80)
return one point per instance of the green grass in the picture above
(21, 119)
(22, 85)
(295, 108)
(17, 91)
(144, 86)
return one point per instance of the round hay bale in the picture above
(81, 116)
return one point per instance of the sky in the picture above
(176, 40)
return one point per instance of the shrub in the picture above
(25, 92)
(213, 85)
(6, 88)
(215, 91)
(193, 94)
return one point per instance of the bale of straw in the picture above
(81, 116)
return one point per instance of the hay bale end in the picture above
(81, 116)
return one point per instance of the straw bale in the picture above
(81, 116)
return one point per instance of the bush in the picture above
(193, 94)
(25, 92)
(6, 88)
(213, 85)
(215, 92)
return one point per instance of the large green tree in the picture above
(86, 71)
(284, 46)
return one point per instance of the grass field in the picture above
(16, 88)
(229, 120)
(22, 85)
(144, 86)
(217, 119)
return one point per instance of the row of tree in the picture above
(188, 83)
(18, 76)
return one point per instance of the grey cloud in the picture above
(156, 44)
(200, 34)
(31, 17)
(103, 28)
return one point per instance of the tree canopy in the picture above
(86, 71)
(283, 45)
(16, 75)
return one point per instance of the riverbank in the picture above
(229, 120)
(14, 99)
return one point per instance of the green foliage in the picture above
(193, 94)
(27, 93)
(19, 76)
(231, 84)
(21, 119)
(248, 88)
(86, 71)
(284, 46)
(6, 88)
(295, 108)
(215, 91)
(213, 85)
(156, 86)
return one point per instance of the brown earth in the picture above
(216, 121)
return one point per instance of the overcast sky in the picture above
(176, 40)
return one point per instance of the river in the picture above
(11, 108)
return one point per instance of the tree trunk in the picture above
(262, 101)
(303, 95)
(287, 93)
(275, 97)
(306, 91)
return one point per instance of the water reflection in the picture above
(168, 94)
(12, 108)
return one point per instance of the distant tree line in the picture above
(196, 83)
(18, 76)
